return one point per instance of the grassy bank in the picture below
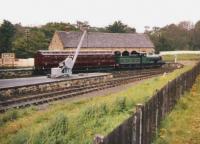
(182, 126)
(78, 121)
(181, 57)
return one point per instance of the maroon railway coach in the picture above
(86, 61)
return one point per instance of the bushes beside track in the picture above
(14, 114)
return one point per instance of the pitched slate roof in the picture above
(107, 40)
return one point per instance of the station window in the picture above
(125, 53)
(117, 53)
(134, 53)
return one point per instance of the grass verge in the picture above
(82, 119)
(182, 126)
(181, 57)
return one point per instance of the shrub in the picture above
(14, 114)
(102, 110)
(182, 104)
(130, 103)
(88, 112)
(21, 137)
(54, 132)
(9, 116)
(120, 104)
(94, 111)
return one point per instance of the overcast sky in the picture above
(135, 13)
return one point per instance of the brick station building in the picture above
(118, 43)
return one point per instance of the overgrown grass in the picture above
(181, 57)
(82, 119)
(14, 114)
(182, 126)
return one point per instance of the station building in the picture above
(118, 43)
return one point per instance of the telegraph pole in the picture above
(27, 35)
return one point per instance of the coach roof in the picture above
(107, 40)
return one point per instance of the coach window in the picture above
(125, 53)
(117, 53)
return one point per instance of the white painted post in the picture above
(175, 58)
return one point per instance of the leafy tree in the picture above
(130, 30)
(50, 28)
(196, 36)
(28, 40)
(7, 32)
(26, 46)
(25, 41)
(97, 29)
(172, 37)
(186, 25)
(119, 27)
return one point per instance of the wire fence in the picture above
(142, 126)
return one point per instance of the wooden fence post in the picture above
(134, 130)
(139, 109)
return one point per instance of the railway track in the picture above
(119, 78)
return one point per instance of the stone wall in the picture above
(147, 50)
(20, 91)
(16, 73)
(56, 43)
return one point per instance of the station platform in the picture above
(20, 82)
(20, 87)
